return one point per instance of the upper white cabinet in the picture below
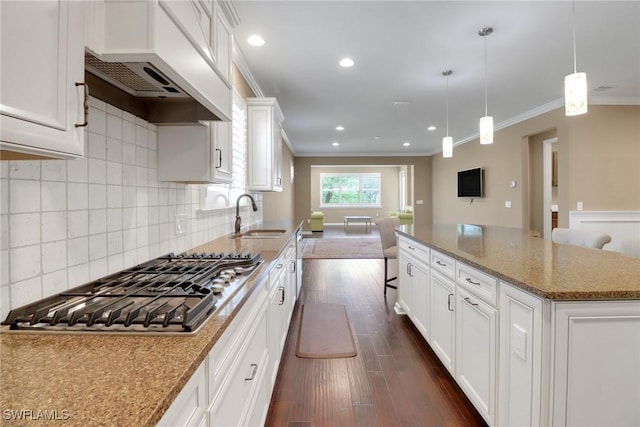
(189, 42)
(200, 153)
(264, 123)
(42, 108)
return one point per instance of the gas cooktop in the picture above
(169, 294)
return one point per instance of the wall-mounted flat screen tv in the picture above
(470, 183)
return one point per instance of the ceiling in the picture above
(396, 88)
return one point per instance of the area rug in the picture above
(325, 332)
(341, 248)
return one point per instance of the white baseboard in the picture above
(620, 225)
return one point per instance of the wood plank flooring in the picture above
(395, 380)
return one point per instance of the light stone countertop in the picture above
(117, 380)
(549, 270)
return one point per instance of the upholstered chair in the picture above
(387, 227)
(584, 238)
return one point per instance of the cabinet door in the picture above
(42, 63)
(277, 324)
(222, 161)
(223, 44)
(277, 157)
(442, 324)
(520, 358)
(476, 352)
(405, 285)
(238, 395)
(260, 147)
(421, 295)
(189, 407)
(596, 376)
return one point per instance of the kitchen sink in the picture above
(260, 233)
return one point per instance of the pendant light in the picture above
(447, 141)
(575, 85)
(486, 122)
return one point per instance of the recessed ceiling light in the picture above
(406, 144)
(431, 128)
(376, 137)
(255, 40)
(339, 127)
(346, 62)
(335, 144)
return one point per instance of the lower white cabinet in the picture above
(190, 407)
(442, 320)
(414, 294)
(596, 364)
(278, 316)
(520, 373)
(476, 352)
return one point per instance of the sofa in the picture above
(317, 221)
(404, 215)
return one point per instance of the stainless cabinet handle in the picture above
(86, 105)
(468, 279)
(441, 263)
(282, 297)
(279, 266)
(471, 303)
(253, 373)
(449, 302)
(411, 247)
(293, 266)
(219, 158)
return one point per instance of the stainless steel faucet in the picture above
(238, 219)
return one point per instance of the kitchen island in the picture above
(86, 379)
(534, 332)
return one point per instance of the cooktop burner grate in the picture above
(172, 293)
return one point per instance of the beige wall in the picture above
(279, 205)
(598, 154)
(389, 192)
(240, 84)
(422, 181)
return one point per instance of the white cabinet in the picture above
(442, 320)
(264, 134)
(238, 367)
(189, 409)
(596, 368)
(476, 361)
(43, 107)
(520, 372)
(278, 312)
(414, 283)
(199, 153)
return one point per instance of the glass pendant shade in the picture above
(447, 146)
(575, 94)
(486, 130)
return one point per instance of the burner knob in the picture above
(239, 270)
(218, 281)
(225, 277)
(231, 273)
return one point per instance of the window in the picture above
(223, 195)
(350, 189)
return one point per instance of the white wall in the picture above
(66, 222)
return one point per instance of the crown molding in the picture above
(241, 63)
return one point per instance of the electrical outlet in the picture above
(507, 204)
(579, 207)
(182, 224)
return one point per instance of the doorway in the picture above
(550, 186)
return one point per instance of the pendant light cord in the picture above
(573, 25)
(447, 103)
(486, 108)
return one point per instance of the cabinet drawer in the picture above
(226, 349)
(233, 404)
(443, 263)
(415, 249)
(478, 283)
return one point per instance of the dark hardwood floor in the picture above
(395, 380)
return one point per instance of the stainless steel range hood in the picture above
(144, 91)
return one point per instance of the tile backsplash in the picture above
(66, 222)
